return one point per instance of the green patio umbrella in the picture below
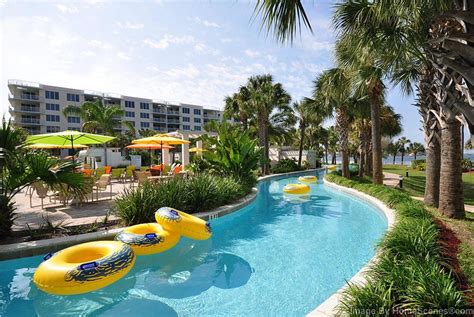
(68, 138)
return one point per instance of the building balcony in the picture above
(30, 121)
(24, 97)
(173, 121)
(173, 112)
(158, 110)
(29, 109)
(159, 120)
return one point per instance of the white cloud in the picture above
(206, 23)
(66, 8)
(123, 56)
(2, 3)
(100, 45)
(271, 58)
(165, 41)
(203, 48)
(251, 53)
(129, 25)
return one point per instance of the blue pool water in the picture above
(277, 256)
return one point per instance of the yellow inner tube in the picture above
(148, 238)
(332, 167)
(187, 225)
(308, 179)
(84, 268)
(296, 189)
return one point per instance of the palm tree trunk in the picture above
(403, 154)
(377, 174)
(342, 126)
(451, 199)
(263, 138)
(326, 152)
(394, 155)
(361, 162)
(333, 159)
(433, 165)
(302, 131)
(414, 155)
(368, 159)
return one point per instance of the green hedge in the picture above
(411, 273)
(194, 194)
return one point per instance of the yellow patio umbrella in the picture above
(161, 139)
(54, 146)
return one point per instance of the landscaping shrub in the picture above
(285, 166)
(194, 194)
(466, 165)
(411, 272)
(417, 164)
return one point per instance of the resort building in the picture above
(38, 109)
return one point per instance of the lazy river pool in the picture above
(276, 256)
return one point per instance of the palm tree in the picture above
(393, 148)
(333, 89)
(415, 148)
(264, 97)
(237, 107)
(20, 168)
(308, 112)
(402, 142)
(97, 117)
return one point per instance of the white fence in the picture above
(277, 154)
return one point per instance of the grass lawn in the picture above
(415, 183)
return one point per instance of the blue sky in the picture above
(188, 51)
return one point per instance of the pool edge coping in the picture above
(329, 306)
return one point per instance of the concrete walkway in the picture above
(393, 180)
(65, 215)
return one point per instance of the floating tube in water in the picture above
(332, 167)
(308, 179)
(296, 189)
(148, 238)
(84, 268)
(187, 225)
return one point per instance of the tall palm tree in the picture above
(97, 117)
(333, 89)
(237, 107)
(308, 112)
(265, 96)
(402, 146)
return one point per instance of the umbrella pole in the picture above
(161, 160)
(72, 147)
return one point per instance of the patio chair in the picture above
(41, 190)
(99, 172)
(117, 173)
(108, 169)
(128, 173)
(101, 185)
(142, 177)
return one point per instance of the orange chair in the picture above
(108, 169)
(177, 169)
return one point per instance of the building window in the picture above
(144, 115)
(129, 104)
(51, 94)
(186, 119)
(197, 120)
(197, 128)
(52, 118)
(197, 112)
(74, 128)
(73, 119)
(52, 129)
(186, 127)
(144, 105)
(52, 106)
(145, 124)
(72, 97)
(130, 114)
(185, 110)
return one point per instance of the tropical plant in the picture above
(203, 192)
(233, 152)
(237, 107)
(20, 168)
(285, 166)
(97, 117)
(393, 148)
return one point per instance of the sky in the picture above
(194, 52)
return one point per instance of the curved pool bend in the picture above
(276, 256)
